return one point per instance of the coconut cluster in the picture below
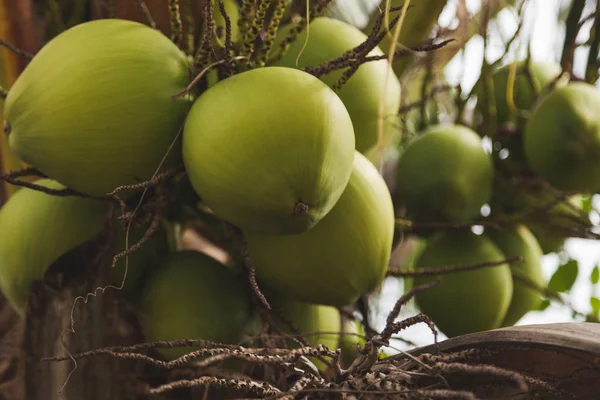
(282, 156)
(273, 152)
(551, 133)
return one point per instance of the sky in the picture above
(546, 36)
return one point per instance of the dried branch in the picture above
(16, 50)
(453, 268)
(143, 9)
(247, 386)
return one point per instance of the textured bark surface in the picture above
(566, 354)
(98, 323)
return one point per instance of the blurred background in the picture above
(542, 34)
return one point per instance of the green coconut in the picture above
(466, 301)
(328, 39)
(519, 241)
(36, 230)
(552, 240)
(419, 21)
(445, 175)
(94, 108)
(343, 257)
(192, 296)
(352, 337)
(562, 138)
(281, 161)
(318, 324)
(531, 79)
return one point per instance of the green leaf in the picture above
(586, 203)
(595, 303)
(595, 277)
(543, 305)
(564, 277)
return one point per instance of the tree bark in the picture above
(97, 323)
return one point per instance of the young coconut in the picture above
(362, 93)
(519, 241)
(562, 138)
(94, 108)
(445, 175)
(318, 324)
(466, 301)
(344, 256)
(192, 296)
(530, 80)
(351, 339)
(282, 162)
(36, 230)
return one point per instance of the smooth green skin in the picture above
(467, 301)
(349, 340)
(310, 320)
(93, 109)
(329, 39)
(36, 230)
(519, 241)
(445, 175)
(344, 256)
(192, 296)
(416, 28)
(288, 141)
(551, 241)
(562, 138)
(542, 74)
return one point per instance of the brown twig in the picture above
(11, 179)
(452, 268)
(16, 50)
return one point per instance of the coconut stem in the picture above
(245, 13)
(257, 24)
(143, 8)
(228, 68)
(203, 55)
(272, 31)
(301, 209)
(176, 25)
(591, 72)
(188, 26)
(16, 50)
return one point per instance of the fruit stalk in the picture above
(175, 20)
(591, 72)
(272, 31)
(203, 55)
(568, 52)
(256, 26)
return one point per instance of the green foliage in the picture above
(595, 276)
(544, 305)
(595, 303)
(564, 277)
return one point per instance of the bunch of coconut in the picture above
(444, 178)
(551, 131)
(546, 130)
(273, 151)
